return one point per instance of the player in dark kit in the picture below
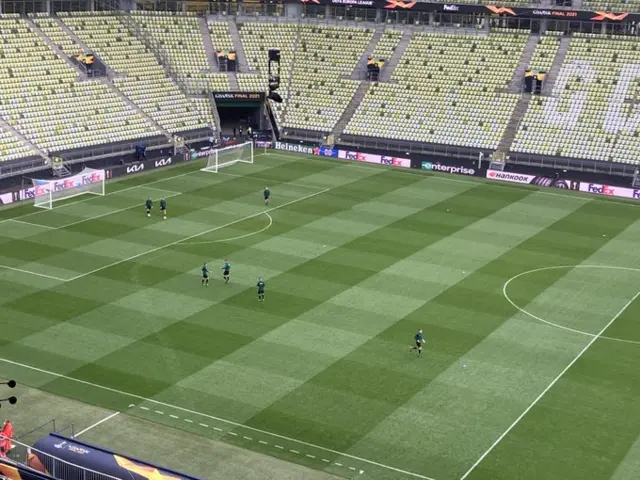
(163, 208)
(260, 290)
(205, 275)
(226, 268)
(267, 195)
(149, 205)
(419, 339)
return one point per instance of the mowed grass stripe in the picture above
(584, 427)
(460, 321)
(476, 204)
(112, 234)
(136, 368)
(298, 288)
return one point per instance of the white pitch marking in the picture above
(562, 327)
(96, 424)
(144, 408)
(159, 412)
(203, 425)
(176, 242)
(351, 468)
(173, 416)
(188, 421)
(217, 429)
(544, 392)
(294, 451)
(251, 177)
(51, 277)
(326, 460)
(105, 195)
(339, 464)
(32, 224)
(234, 434)
(310, 456)
(212, 417)
(263, 442)
(234, 238)
(247, 438)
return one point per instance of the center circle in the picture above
(563, 327)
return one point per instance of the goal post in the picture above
(47, 192)
(223, 157)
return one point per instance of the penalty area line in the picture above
(222, 420)
(100, 422)
(28, 272)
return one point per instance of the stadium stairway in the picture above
(514, 123)
(111, 74)
(135, 107)
(558, 61)
(403, 44)
(361, 67)
(208, 45)
(60, 54)
(356, 100)
(517, 81)
(36, 151)
(233, 81)
(243, 66)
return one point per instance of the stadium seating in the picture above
(614, 5)
(544, 53)
(180, 36)
(447, 89)
(566, 126)
(12, 148)
(146, 82)
(256, 39)
(44, 100)
(319, 93)
(387, 44)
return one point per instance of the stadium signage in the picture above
(374, 158)
(205, 152)
(448, 168)
(293, 147)
(509, 177)
(239, 96)
(465, 8)
(135, 168)
(163, 162)
(43, 187)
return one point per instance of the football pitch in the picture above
(528, 300)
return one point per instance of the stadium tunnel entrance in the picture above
(238, 116)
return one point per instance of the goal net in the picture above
(47, 192)
(222, 157)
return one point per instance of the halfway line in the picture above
(228, 422)
(539, 397)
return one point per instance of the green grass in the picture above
(320, 373)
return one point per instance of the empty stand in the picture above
(43, 100)
(447, 89)
(257, 38)
(320, 88)
(146, 83)
(592, 112)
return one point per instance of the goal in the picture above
(222, 157)
(47, 192)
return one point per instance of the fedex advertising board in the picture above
(374, 158)
(609, 191)
(43, 187)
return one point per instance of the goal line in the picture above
(223, 157)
